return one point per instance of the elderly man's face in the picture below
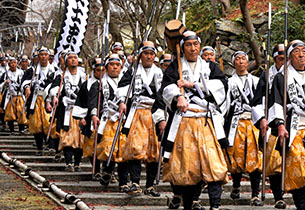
(279, 61)
(297, 58)
(191, 50)
(241, 64)
(148, 58)
(208, 56)
(114, 69)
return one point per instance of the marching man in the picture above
(273, 158)
(71, 140)
(12, 99)
(142, 141)
(194, 133)
(242, 134)
(294, 131)
(35, 81)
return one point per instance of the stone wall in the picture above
(233, 37)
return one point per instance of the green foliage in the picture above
(200, 14)
(296, 24)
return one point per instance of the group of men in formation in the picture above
(207, 124)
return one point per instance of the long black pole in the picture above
(285, 96)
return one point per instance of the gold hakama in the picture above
(13, 113)
(196, 155)
(273, 157)
(142, 141)
(88, 145)
(73, 137)
(295, 163)
(54, 134)
(246, 132)
(1, 97)
(39, 120)
(104, 146)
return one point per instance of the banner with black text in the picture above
(73, 27)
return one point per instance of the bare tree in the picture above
(250, 29)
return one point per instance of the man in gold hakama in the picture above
(294, 131)
(107, 124)
(3, 68)
(273, 158)
(194, 133)
(12, 97)
(242, 134)
(71, 140)
(142, 142)
(81, 112)
(35, 84)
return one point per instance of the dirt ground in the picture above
(17, 195)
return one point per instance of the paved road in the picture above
(17, 195)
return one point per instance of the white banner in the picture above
(73, 27)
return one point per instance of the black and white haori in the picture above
(71, 139)
(12, 101)
(273, 157)
(242, 134)
(3, 68)
(80, 109)
(108, 123)
(81, 112)
(295, 120)
(194, 133)
(142, 141)
(36, 82)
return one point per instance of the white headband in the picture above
(207, 48)
(239, 53)
(68, 54)
(189, 38)
(108, 60)
(145, 48)
(291, 48)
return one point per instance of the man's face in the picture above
(114, 69)
(13, 65)
(24, 64)
(51, 59)
(115, 50)
(97, 72)
(3, 63)
(43, 58)
(279, 61)
(165, 65)
(241, 63)
(297, 58)
(191, 50)
(148, 58)
(72, 61)
(208, 56)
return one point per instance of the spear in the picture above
(285, 96)
(137, 37)
(47, 32)
(107, 33)
(266, 100)
(178, 9)
(1, 43)
(104, 48)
